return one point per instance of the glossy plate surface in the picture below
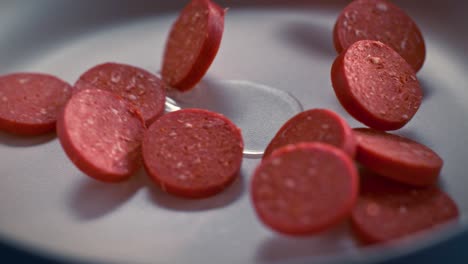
(48, 206)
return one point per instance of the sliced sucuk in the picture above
(315, 125)
(383, 21)
(30, 102)
(376, 85)
(142, 89)
(387, 211)
(397, 157)
(193, 153)
(305, 188)
(101, 133)
(192, 44)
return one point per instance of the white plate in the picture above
(48, 206)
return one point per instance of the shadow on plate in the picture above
(427, 87)
(408, 133)
(279, 249)
(74, 19)
(92, 199)
(26, 141)
(309, 38)
(223, 199)
(80, 17)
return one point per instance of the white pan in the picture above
(50, 208)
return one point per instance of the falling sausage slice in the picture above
(30, 102)
(101, 134)
(305, 188)
(193, 153)
(376, 85)
(139, 87)
(383, 21)
(387, 210)
(398, 158)
(319, 125)
(193, 43)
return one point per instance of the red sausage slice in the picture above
(193, 43)
(376, 85)
(387, 210)
(101, 134)
(305, 188)
(319, 125)
(142, 89)
(383, 21)
(193, 153)
(398, 158)
(30, 102)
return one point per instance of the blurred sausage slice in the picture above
(397, 158)
(387, 210)
(383, 21)
(30, 102)
(315, 125)
(192, 44)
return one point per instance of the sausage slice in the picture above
(315, 125)
(101, 133)
(193, 43)
(383, 21)
(376, 85)
(143, 90)
(305, 188)
(193, 153)
(397, 157)
(30, 102)
(387, 211)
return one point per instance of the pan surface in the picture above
(47, 206)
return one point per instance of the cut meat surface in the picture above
(315, 125)
(30, 102)
(143, 90)
(193, 153)
(101, 134)
(305, 188)
(398, 158)
(383, 21)
(387, 211)
(376, 85)
(193, 43)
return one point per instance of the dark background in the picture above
(452, 251)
